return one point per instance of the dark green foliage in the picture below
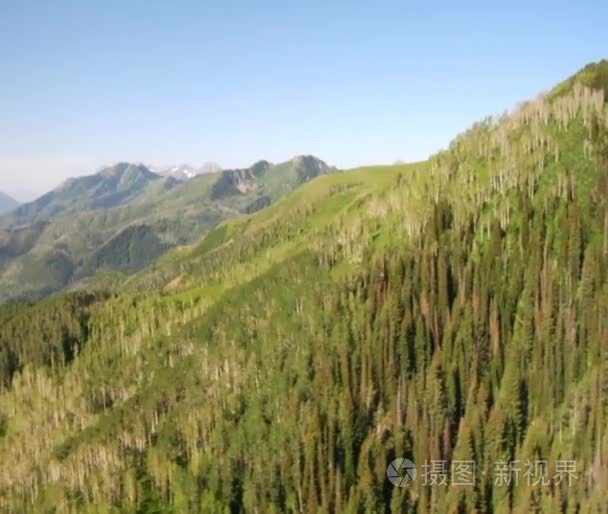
(18, 241)
(258, 204)
(130, 250)
(46, 334)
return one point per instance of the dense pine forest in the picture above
(453, 310)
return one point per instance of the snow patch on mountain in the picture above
(186, 171)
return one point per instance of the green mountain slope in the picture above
(112, 186)
(123, 218)
(7, 203)
(445, 311)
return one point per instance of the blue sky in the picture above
(88, 83)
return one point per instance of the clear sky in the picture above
(83, 84)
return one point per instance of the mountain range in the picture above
(7, 203)
(125, 216)
(451, 312)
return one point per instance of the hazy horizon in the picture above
(95, 84)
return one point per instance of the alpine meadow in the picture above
(453, 310)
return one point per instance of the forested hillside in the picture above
(449, 310)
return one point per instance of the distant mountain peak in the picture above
(115, 169)
(110, 186)
(7, 203)
(260, 167)
(303, 158)
(186, 171)
(122, 168)
(309, 160)
(309, 166)
(268, 179)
